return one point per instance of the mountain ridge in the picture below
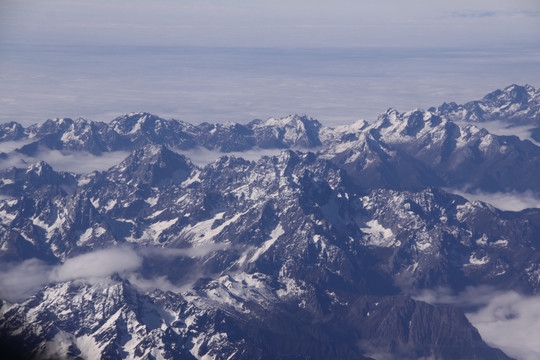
(305, 254)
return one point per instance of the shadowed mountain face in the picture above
(311, 254)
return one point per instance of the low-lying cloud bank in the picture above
(505, 319)
(82, 162)
(9, 146)
(511, 322)
(26, 278)
(73, 161)
(201, 156)
(193, 252)
(503, 128)
(20, 281)
(512, 201)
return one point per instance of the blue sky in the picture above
(237, 60)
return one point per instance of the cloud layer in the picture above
(202, 156)
(511, 322)
(505, 319)
(513, 200)
(76, 162)
(503, 128)
(276, 23)
(24, 279)
(98, 263)
(336, 86)
(18, 282)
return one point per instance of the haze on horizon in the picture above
(238, 60)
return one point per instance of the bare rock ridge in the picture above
(313, 253)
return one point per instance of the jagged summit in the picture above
(514, 105)
(12, 131)
(37, 177)
(312, 252)
(291, 120)
(512, 94)
(410, 124)
(152, 164)
(133, 122)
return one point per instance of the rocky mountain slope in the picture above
(314, 253)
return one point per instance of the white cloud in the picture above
(100, 263)
(504, 128)
(511, 322)
(513, 200)
(337, 86)
(194, 252)
(18, 282)
(238, 61)
(9, 146)
(81, 162)
(187, 280)
(202, 156)
(474, 14)
(159, 282)
(72, 161)
(24, 279)
(505, 319)
(470, 297)
(240, 23)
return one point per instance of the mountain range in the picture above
(319, 252)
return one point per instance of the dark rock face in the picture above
(305, 255)
(11, 131)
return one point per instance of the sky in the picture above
(237, 60)
(278, 23)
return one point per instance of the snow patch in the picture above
(482, 240)
(152, 201)
(88, 347)
(274, 235)
(378, 235)
(477, 262)
(110, 204)
(202, 232)
(85, 236)
(501, 242)
(160, 226)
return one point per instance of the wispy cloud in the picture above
(81, 162)
(72, 161)
(525, 13)
(505, 129)
(474, 14)
(193, 252)
(202, 156)
(153, 283)
(24, 279)
(18, 282)
(511, 322)
(21, 281)
(481, 14)
(470, 297)
(512, 201)
(98, 263)
(9, 146)
(505, 319)
(337, 86)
